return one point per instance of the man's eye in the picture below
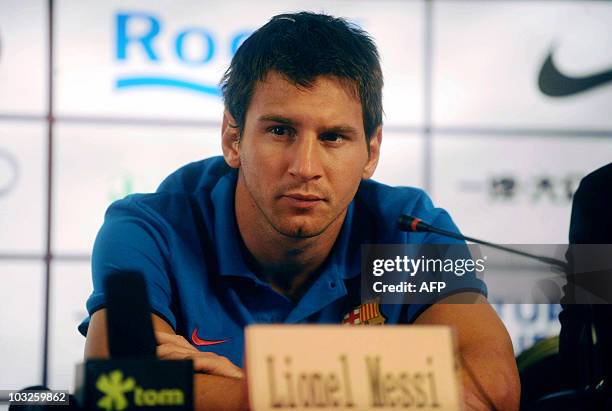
(331, 137)
(278, 130)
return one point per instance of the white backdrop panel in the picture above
(401, 160)
(23, 57)
(22, 187)
(70, 287)
(99, 164)
(21, 322)
(487, 57)
(513, 189)
(101, 66)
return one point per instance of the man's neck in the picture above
(289, 264)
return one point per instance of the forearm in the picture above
(487, 360)
(489, 382)
(216, 393)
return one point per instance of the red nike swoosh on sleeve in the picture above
(201, 342)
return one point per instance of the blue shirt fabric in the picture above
(185, 241)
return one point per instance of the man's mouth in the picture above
(305, 197)
(302, 200)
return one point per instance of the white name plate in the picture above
(329, 367)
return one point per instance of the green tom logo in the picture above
(115, 387)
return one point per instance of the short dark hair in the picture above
(303, 46)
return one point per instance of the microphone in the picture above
(130, 328)
(133, 378)
(413, 224)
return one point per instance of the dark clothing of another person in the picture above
(591, 223)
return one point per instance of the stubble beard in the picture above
(297, 233)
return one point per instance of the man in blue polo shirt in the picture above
(272, 231)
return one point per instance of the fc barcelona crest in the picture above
(367, 313)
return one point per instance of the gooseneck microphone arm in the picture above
(414, 224)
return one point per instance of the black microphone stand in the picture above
(409, 223)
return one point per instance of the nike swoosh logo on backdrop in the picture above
(553, 83)
(201, 342)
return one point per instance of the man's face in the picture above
(303, 153)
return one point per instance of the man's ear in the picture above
(230, 140)
(374, 143)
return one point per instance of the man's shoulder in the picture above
(188, 188)
(378, 207)
(196, 176)
(386, 200)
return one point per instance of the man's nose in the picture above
(305, 160)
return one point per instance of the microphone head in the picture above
(128, 314)
(409, 223)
